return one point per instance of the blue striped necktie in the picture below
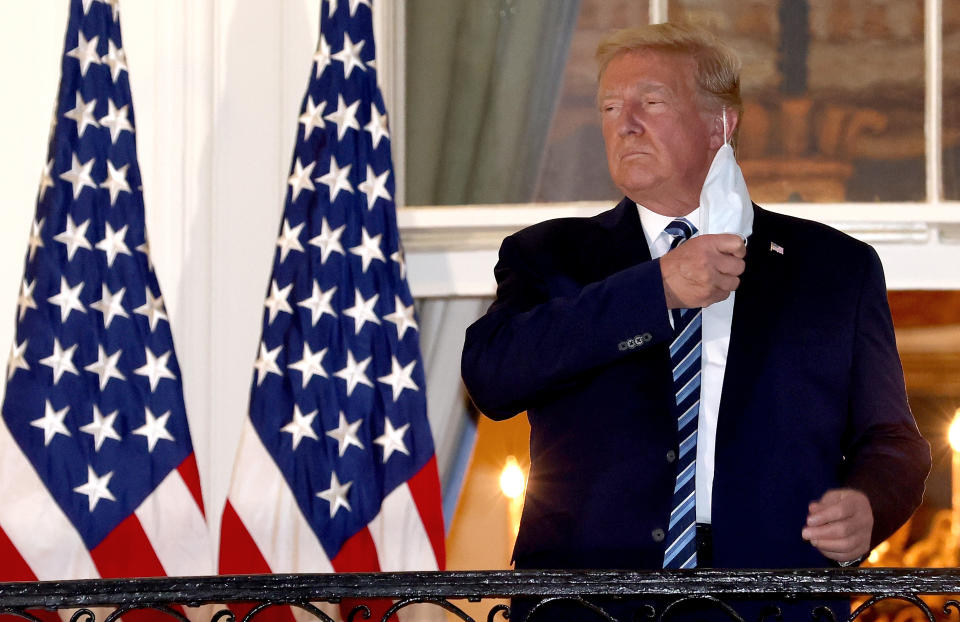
(685, 350)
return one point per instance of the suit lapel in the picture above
(761, 289)
(623, 244)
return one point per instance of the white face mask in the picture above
(725, 202)
(726, 208)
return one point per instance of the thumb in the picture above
(730, 244)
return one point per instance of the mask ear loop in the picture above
(723, 114)
(726, 141)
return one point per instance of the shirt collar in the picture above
(653, 223)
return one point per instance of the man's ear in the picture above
(716, 130)
(725, 127)
(721, 132)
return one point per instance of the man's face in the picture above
(660, 141)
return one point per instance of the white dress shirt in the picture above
(716, 342)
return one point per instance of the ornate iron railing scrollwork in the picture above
(575, 601)
(908, 598)
(359, 610)
(440, 602)
(674, 592)
(116, 614)
(223, 615)
(20, 613)
(677, 604)
(306, 606)
(83, 615)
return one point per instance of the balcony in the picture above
(877, 593)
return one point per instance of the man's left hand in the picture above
(840, 524)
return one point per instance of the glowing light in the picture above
(512, 480)
(954, 433)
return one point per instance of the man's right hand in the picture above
(702, 270)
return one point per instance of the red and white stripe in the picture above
(166, 536)
(264, 530)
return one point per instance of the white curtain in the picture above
(482, 83)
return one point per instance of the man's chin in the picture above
(637, 185)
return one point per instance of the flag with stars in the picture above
(336, 469)
(97, 471)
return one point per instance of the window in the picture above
(856, 123)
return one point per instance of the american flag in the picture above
(97, 471)
(336, 469)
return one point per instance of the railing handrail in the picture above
(818, 583)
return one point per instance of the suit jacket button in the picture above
(646, 337)
(658, 535)
(671, 456)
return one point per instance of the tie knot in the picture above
(681, 229)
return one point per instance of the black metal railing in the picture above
(666, 594)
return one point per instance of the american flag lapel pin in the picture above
(776, 248)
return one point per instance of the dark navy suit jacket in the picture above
(813, 395)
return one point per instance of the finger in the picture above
(832, 497)
(741, 251)
(830, 531)
(831, 501)
(729, 243)
(725, 284)
(729, 264)
(837, 557)
(828, 514)
(848, 548)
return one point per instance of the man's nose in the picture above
(632, 121)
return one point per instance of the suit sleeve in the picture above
(887, 458)
(542, 333)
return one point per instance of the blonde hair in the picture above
(718, 67)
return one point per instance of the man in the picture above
(806, 453)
